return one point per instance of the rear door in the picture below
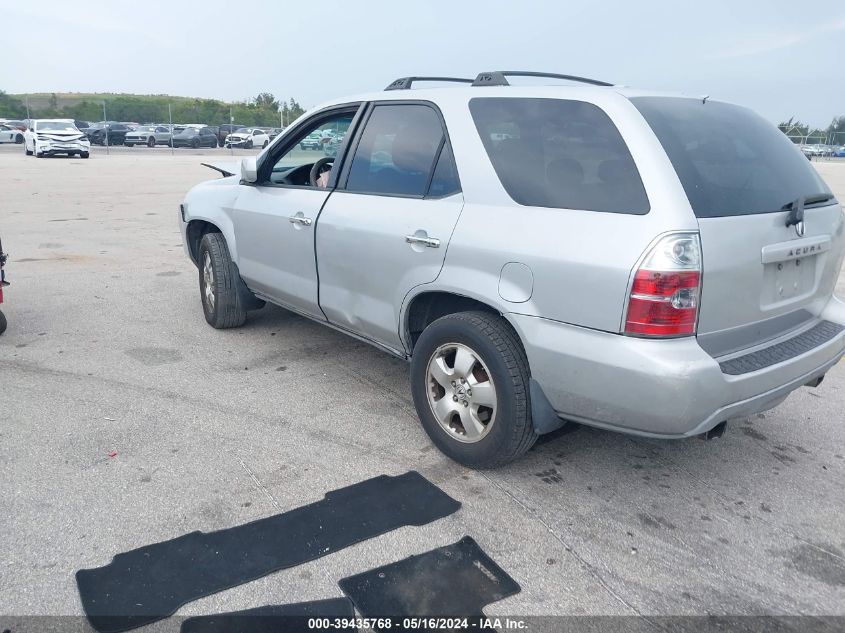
(764, 273)
(386, 229)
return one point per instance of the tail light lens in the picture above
(665, 293)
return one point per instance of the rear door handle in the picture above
(300, 219)
(430, 242)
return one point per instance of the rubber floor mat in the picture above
(285, 618)
(152, 582)
(455, 581)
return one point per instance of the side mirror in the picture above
(249, 169)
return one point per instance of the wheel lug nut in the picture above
(466, 404)
(454, 383)
(455, 398)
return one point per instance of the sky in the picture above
(781, 58)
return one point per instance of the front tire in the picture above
(248, 145)
(84, 155)
(151, 142)
(470, 384)
(19, 139)
(221, 303)
(26, 150)
(3, 322)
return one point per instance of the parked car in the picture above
(247, 138)
(195, 137)
(312, 141)
(82, 126)
(102, 132)
(9, 134)
(48, 137)
(629, 260)
(149, 135)
(224, 130)
(839, 152)
(20, 125)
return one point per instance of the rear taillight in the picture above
(666, 289)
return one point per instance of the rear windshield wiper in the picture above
(796, 207)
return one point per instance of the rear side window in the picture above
(559, 153)
(729, 160)
(444, 181)
(397, 151)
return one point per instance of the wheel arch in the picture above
(427, 306)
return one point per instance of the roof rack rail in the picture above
(498, 78)
(404, 83)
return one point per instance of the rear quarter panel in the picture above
(580, 261)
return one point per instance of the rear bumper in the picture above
(659, 388)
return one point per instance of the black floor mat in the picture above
(152, 582)
(285, 618)
(452, 581)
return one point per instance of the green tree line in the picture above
(263, 110)
(833, 134)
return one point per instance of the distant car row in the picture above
(131, 134)
(823, 150)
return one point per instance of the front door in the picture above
(386, 228)
(274, 220)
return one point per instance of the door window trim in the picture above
(290, 140)
(343, 178)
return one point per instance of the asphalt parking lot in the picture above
(127, 420)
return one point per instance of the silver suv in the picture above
(642, 262)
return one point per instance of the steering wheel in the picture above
(317, 169)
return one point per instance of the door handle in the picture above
(300, 219)
(430, 242)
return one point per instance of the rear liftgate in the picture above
(150, 583)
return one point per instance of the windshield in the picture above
(189, 131)
(145, 128)
(56, 126)
(730, 161)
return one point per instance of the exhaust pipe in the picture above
(815, 382)
(716, 432)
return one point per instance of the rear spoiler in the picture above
(225, 168)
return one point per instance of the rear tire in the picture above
(499, 362)
(3, 322)
(151, 142)
(221, 303)
(26, 150)
(84, 155)
(266, 143)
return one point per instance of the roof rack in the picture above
(498, 78)
(404, 83)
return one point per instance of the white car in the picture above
(247, 138)
(9, 134)
(47, 137)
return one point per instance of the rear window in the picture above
(559, 153)
(729, 160)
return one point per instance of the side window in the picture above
(559, 153)
(293, 166)
(397, 151)
(444, 182)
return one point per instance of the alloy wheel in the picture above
(461, 392)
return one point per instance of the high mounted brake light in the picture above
(666, 289)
